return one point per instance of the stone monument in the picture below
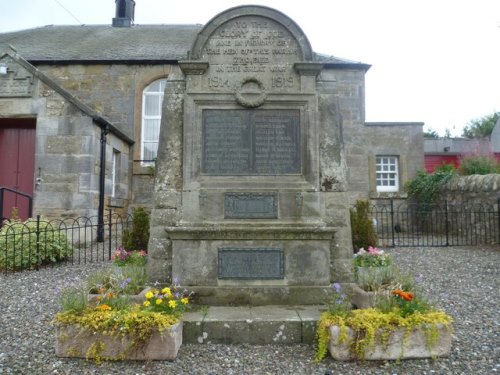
(249, 202)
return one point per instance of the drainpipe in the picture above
(102, 179)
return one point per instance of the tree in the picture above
(431, 134)
(482, 127)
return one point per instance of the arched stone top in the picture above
(251, 10)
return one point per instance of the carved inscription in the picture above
(251, 142)
(248, 45)
(251, 263)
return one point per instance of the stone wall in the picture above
(67, 147)
(472, 190)
(116, 92)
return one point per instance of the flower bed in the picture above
(404, 325)
(369, 334)
(112, 325)
(163, 343)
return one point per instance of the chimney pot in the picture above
(124, 15)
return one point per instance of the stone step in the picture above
(257, 325)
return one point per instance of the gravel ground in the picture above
(465, 281)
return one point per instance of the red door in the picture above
(17, 163)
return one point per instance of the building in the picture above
(451, 150)
(80, 110)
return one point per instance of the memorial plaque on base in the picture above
(251, 263)
(250, 206)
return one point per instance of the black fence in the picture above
(406, 224)
(38, 242)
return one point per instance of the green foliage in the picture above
(482, 127)
(137, 238)
(118, 281)
(368, 324)
(424, 188)
(74, 299)
(363, 233)
(122, 257)
(431, 134)
(479, 164)
(337, 301)
(18, 245)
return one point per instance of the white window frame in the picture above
(387, 173)
(149, 93)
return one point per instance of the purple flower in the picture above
(125, 282)
(337, 287)
(419, 278)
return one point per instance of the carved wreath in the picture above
(254, 102)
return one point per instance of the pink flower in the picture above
(374, 251)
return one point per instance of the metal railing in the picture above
(38, 242)
(408, 224)
(3, 189)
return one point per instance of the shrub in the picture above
(424, 188)
(479, 164)
(137, 238)
(18, 245)
(363, 233)
(122, 258)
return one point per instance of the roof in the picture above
(96, 117)
(96, 43)
(105, 43)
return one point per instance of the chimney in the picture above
(124, 13)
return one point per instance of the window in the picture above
(387, 173)
(152, 99)
(115, 172)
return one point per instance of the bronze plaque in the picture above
(251, 142)
(251, 263)
(250, 206)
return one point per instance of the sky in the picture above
(432, 61)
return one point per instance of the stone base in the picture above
(259, 295)
(75, 341)
(415, 346)
(252, 325)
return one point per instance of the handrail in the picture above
(30, 201)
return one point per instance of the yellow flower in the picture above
(172, 304)
(146, 303)
(184, 301)
(103, 307)
(158, 301)
(166, 291)
(149, 295)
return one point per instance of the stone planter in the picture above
(397, 347)
(75, 341)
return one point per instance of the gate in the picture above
(409, 224)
